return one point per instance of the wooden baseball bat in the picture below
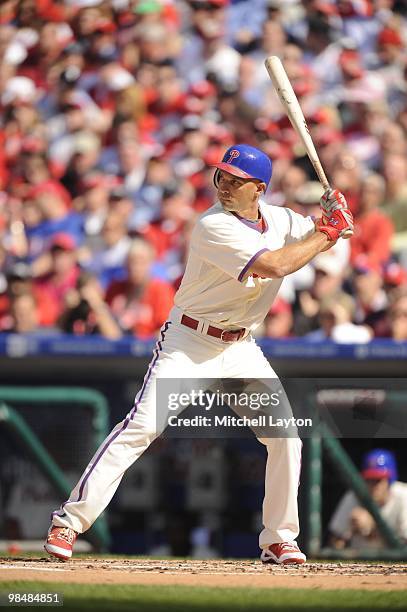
(292, 107)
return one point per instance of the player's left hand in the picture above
(339, 224)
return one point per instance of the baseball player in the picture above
(241, 249)
(352, 525)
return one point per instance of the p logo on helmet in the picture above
(246, 162)
(233, 154)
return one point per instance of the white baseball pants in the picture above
(183, 352)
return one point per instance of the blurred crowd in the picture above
(112, 112)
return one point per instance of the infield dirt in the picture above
(219, 573)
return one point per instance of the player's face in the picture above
(238, 194)
(379, 490)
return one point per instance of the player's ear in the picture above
(261, 188)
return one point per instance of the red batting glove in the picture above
(337, 225)
(334, 200)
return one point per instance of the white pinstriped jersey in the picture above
(223, 246)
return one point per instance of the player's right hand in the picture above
(339, 223)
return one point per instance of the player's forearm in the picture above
(290, 258)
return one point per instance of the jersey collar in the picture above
(260, 226)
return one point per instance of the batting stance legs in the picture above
(178, 351)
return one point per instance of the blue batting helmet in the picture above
(246, 162)
(379, 463)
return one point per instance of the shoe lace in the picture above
(288, 546)
(66, 534)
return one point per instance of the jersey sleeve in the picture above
(339, 524)
(225, 248)
(402, 518)
(299, 227)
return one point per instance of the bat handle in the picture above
(321, 174)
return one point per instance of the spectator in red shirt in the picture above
(140, 303)
(64, 272)
(373, 228)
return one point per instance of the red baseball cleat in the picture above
(282, 553)
(60, 541)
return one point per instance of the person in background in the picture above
(279, 320)
(63, 273)
(107, 256)
(370, 296)
(328, 282)
(352, 525)
(87, 312)
(335, 316)
(397, 314)
(19, 279)
(140, 303)
(24, 314)
(373, 228)
(395, 174)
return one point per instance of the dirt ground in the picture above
(220, 573)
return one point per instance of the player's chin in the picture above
(227, 204)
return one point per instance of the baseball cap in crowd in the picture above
(85, 142)
(280, 306)
(62, 241)
(379, 463)
(389, 36)
(326, 8)
(119, 79)
(395, 275)
(327, 263)
(202, 89)
(70, 76)
(350, 62)
(19, 89)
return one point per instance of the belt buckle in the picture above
(223, 340)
